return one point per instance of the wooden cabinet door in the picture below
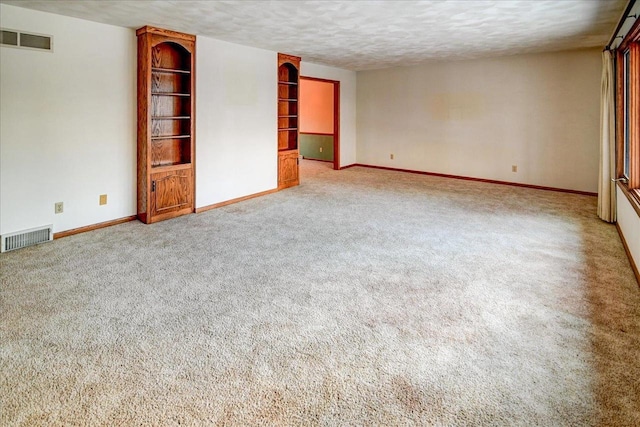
(171, 193)
(288, 169)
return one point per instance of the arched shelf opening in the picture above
(171, 56)
(287, 107)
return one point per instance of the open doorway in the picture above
(320, 120)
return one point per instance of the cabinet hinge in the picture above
(153, 186)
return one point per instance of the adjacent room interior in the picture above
(319, 120)
(320, 213)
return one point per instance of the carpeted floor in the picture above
(361, 297)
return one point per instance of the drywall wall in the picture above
(318, 147)
(236, 121)
(316, 106)
(479, 118)
(67, 123)
(629, 224)
(347, 81)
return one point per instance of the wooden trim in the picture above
(619, 113)
(317, 79)
(316, 133)
(295, 60)
(165, 33)
(336, 125)
(632, 196)
(192, 96)
(236, 200)
(93, 227)
(634, 267)
(489, 181)
(317, 160)
(349, 166)
(634, 116)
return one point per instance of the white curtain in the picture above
(606, 187)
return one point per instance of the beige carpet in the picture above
(361, 297)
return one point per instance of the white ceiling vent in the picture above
(24, 40)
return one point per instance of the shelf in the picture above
(283, 129)
(156, 138)
(170, 117)
(288, 99)
(287, 150)
(169, 94)
(166, 167)
(288, 83)
(291, 115)
(169, 70)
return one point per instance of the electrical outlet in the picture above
(103, 199)
(59, 208)
(391, 156)
(514, 168)
(321, 149)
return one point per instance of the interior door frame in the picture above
(336, 117)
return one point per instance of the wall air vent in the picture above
(9, 38)
(24, 40)
(22, 239)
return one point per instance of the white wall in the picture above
(629, 224)
(347, 81)
(477, 118)
(236, 121)
(67, 123)
(315, 108)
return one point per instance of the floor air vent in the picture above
(22, 239)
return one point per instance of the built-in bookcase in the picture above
(166, 156)
(288, 130)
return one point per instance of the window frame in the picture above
(626, 103)
(628, 108)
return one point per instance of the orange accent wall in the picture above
(316, 106)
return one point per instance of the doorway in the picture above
(320, 120)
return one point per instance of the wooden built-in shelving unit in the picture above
(166, 108)
(288, 130)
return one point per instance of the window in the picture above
(628, 115)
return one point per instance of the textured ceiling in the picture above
(359, 35)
